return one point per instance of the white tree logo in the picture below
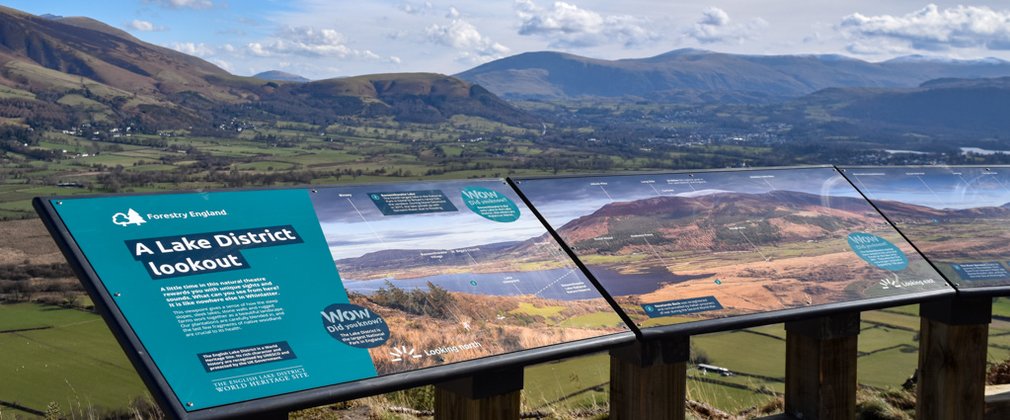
(889, 283)
(131, 217)
(401, 353)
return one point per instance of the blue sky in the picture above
(322, 39)
(354, 226)
(563, 200)
(936, 187)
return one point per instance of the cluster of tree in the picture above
(18, 147)
(435, 302)
(36, 113)
(29, 271)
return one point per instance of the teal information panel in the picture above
(243, 295)
(959, 217)
(207, 283)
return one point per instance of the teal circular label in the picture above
(354, 325)
(877, 251)
(490, 204)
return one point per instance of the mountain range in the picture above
(59, 71)
(700, 75)
(901, 210)
(708, 221)
(280, 76)
(78, 68)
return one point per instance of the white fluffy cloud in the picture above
(144, 26)
(930, 28)
(309, 42)
(416, 8)
(184, 4)
(463, 36)
(715, 26)
(568, 25)
(198, 49)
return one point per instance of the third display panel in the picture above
(678, 248)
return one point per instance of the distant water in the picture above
(981, 151)
(636, 284)
(548, 283)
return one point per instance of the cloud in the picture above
(715, 26)
(568, 25)
(198, 49)
(183, 4)
(930, 29)
(470, 44)
(227, 66)
(144, 26)
(308, 42)
(416, 9)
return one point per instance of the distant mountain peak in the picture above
(280, 76)
(695, 75)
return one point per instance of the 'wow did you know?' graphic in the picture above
(877, 251)
(355, 326)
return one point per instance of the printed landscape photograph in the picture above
(959, 217)
(722, 244)
(452, 284)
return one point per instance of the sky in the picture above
(561, 200)
(321, 39)
(354, 226)
(936, 187)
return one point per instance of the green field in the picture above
(75, 362)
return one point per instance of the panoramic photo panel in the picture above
(958, 217)
(684, 247)
(459, 270)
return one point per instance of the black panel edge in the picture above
(574, 257)
(670, 172)
(793, 314)
(165, 397)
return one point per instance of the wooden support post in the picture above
(648, 379)
(821, 367)
(490, 395)
(952, 355)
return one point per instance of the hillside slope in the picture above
(78, 69)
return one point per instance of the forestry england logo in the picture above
(131, 217)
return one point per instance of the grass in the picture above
(76, 363)
(567, 384)
(532, 310)
(744, 352)
(593, 320)
(887, 368)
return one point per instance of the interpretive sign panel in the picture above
(232, 297)
(958, 217)
(691, 251)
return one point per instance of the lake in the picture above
(619, 284)
(559, 283)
